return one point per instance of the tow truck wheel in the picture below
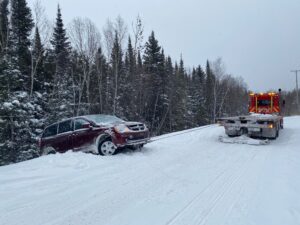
(277, 132)
(107, 148)
(281, 125)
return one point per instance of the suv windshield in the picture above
(104, 119)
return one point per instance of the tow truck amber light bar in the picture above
(269, 93)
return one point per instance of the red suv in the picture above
(100, 134)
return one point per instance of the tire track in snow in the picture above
(228, 187)
(223, 181)
(242, 202)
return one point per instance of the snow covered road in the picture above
(185, 179)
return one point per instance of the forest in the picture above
(51, 71)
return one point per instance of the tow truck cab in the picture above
(264, 103)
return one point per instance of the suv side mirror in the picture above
(87, 126)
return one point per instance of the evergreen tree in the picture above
(153, 67)
(61, 45)
(21, 26)
(4, 32)
(20, 113)
(180, 107)
(170, 90)
(21, 120)
(62, 95)
(199, 100)
(209, 92)
(117, 76)
(38, 63)
(129, 98)
(98, 85)
(4, 25)
(141, 88)
(152, 55)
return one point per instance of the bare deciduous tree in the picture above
(44, 29)
(108, 32)
(86, 39)
(218, 69)
(119, 28)
(42, 22)
(138, 34)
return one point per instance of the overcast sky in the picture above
(258, 40)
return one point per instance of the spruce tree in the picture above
(153, 67)
(38, 63)
(200, 98)
(62, 94)
(152, 55)
(129, 98)
(61, 45)
(4, 25)
(141, 87)
(180, 96)
(4, 32)
(20, 113)
(209, 92)
(117, 76)
(21, 27)
(170, 90)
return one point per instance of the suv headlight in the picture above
(145, 127)
(122, 128)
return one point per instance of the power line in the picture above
(297, 90)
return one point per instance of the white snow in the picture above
(183, 178)
(16, 102)
(262, 115)
(7, 105)
(243, 140)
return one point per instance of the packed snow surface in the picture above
(183, 178)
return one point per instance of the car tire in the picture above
(48, 150)
(107, 148)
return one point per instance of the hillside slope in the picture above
(189, 178)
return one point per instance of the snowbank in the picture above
(185, 178)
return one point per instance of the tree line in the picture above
(51, 71)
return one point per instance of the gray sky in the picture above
(258, 40)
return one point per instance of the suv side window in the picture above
(79, 124)
(65, 126)
(50, 131)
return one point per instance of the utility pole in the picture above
(297, 90)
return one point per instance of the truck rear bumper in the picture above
(251, 131)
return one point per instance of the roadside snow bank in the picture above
(183, 178)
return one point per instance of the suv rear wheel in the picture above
(107, 147)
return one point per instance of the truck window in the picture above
(264, 102)
(50, 131)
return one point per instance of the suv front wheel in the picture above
(48, 150)
(107, 147)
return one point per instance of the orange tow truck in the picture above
(264, 120)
